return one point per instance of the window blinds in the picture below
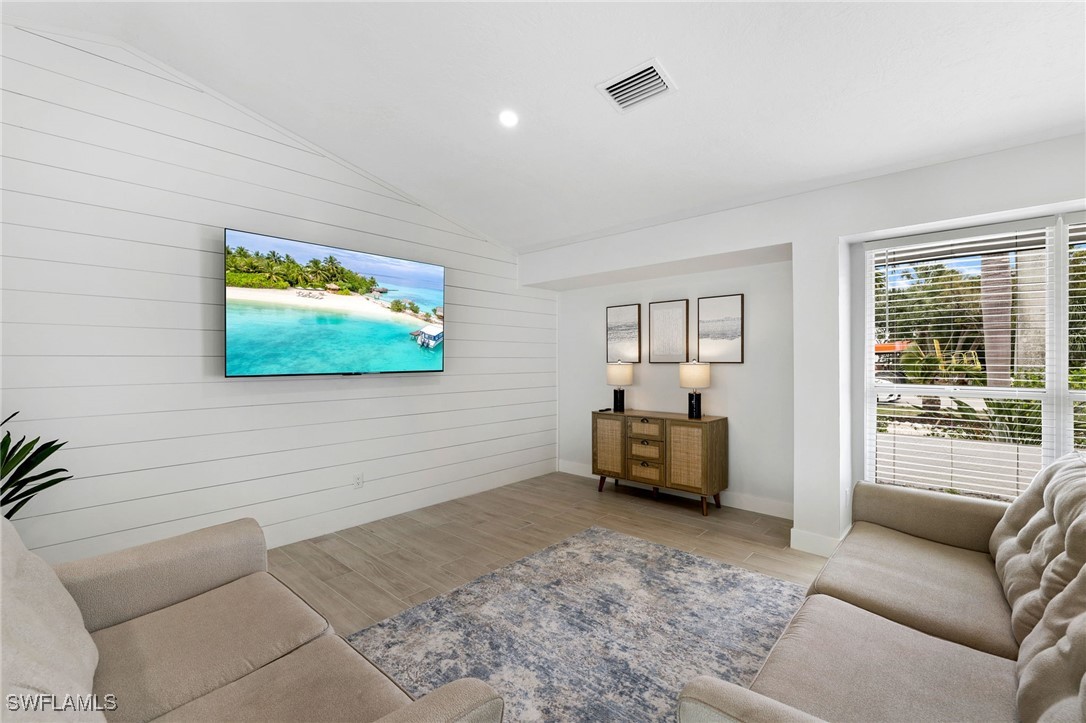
(959, 368)
(1076, 331)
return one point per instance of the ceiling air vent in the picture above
(645, 81)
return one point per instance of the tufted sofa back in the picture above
(1040, 555)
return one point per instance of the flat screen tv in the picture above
(303, 308)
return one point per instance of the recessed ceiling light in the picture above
(508, 118)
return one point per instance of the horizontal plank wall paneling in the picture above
(118, 178)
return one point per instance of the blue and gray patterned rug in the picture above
(599, 627)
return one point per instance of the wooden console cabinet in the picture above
(662, 449)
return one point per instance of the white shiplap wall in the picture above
(119, 176)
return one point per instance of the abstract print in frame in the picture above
(624, 334)
(720, 329)
(669, 324)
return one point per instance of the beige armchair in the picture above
(194, 628)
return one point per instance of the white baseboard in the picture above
(815, 543)
(738, 500)
(757, 503)
(584, 470)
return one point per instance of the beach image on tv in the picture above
(304, 308)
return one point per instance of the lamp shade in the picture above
(693, 375)
(619, 374)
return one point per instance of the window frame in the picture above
(1056, 397)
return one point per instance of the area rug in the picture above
(599, 627)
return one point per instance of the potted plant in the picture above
(17, 461)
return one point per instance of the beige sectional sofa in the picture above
(193, 628)
(935, 607)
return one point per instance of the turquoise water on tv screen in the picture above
(427, 299)
(266, 338)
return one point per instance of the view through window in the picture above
(975, 356)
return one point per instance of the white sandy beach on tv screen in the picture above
(359, 305)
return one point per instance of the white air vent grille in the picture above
(636, 86)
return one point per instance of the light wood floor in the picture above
(363, 574)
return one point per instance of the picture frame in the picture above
(721, 329)
(623, 333)
(669, 331)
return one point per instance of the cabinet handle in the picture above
(644, 464)
(645, 442)
(644, 421)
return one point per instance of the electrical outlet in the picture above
(358, 480)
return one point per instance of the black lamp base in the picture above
(693, 405)
(619, 404)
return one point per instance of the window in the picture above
(1076, 330)
(975, 370)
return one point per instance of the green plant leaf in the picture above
(16, 456)
(14, 492)
(43, 475)
(35, 490)
(18, 462)
(39, 456)
(965, 411)
(8, 419)
(15, 509)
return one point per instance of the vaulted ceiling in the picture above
(769, 98)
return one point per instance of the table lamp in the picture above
(693, 375)
(619, 375)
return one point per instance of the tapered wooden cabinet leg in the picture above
(616, 481)
(716, 498)
(655, 492)
(704, 506)
(602, 480)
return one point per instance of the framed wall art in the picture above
(624, 334)
(720, 329)
(669, 324)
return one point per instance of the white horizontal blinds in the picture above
(1079, 411)
(975, 310)
(956, 375)
(1076, 329)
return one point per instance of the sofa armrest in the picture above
(467, 700)
(118, 586)
(710, 700)
(954, 520)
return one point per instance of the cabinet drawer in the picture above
(645, 449)
(648, 472)
(646, 427)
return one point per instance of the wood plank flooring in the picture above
(363, 574)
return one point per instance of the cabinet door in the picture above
(608, 445)
(686, 456)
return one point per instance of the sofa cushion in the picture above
(1031, 543)
(159, 661)
(941, 590)
(46, 648)
(1052, 664)
(842, 663)
(326, 679)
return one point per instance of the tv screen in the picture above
(303, 308)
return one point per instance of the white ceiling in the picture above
(771, 98)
